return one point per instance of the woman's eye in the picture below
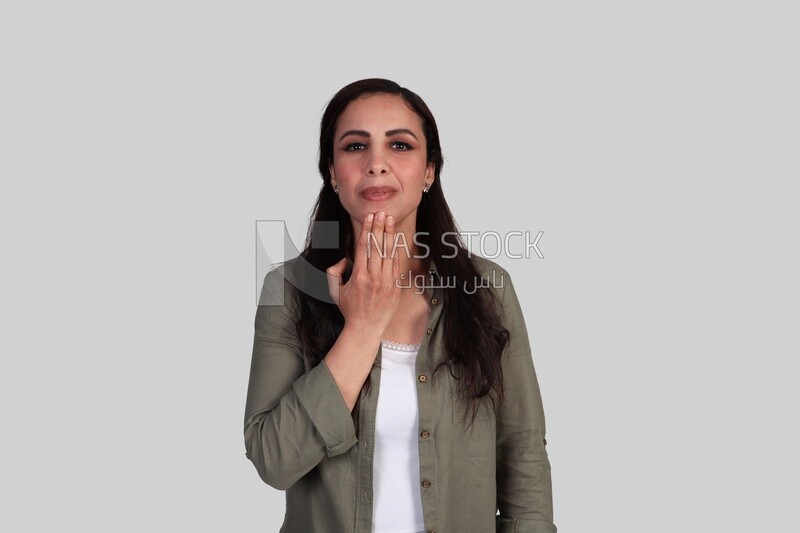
(401, 145)
(353, 147)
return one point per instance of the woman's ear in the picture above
(430, 174)
(333, 174)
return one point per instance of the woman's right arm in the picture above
(294, 419)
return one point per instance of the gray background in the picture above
(655, 144)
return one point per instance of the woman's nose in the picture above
(376, 164)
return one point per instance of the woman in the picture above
(393, 387)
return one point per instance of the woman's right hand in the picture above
(371, 296)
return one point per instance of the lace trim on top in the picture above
(400, 346)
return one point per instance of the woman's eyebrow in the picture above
(400, 130)
(360, 133)
(364, 133)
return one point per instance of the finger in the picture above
(375, 248)
(334, 274)
(396, 269)
(360, 262)
(389, 248)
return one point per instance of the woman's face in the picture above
(380, 159)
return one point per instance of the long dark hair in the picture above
(474, 337)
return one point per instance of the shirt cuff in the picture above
(323, 402)
(522, 525)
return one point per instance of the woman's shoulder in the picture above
(294, 276)
(279, 281)
(492, 272)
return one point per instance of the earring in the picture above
(426, 187)
(336, 189)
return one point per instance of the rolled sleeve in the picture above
(524, 490)
(323, 402)
(504, 525)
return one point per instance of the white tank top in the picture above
(397, 501)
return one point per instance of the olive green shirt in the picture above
(302, 438)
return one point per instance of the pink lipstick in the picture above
(377, 193)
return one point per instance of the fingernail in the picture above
(370, 217)
(390, 219)
(381, 215)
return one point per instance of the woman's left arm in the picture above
(524, 489)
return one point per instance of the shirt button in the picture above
(426, 483)
(430, 330)
(423, 378)
(434, 301)
(424, 434)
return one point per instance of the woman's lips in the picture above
(377, 196)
